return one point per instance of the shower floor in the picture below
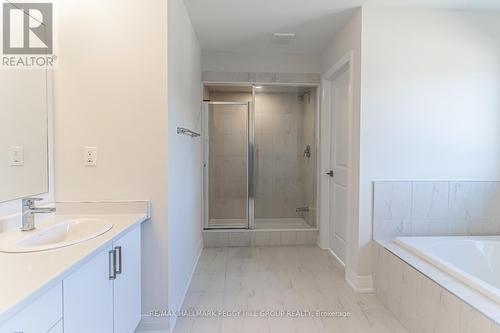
(264, 223)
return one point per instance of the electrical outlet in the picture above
(16, 156)
(90, 156)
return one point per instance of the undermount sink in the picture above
(61, 234)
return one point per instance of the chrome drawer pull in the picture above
(118, 267)
(112, 264)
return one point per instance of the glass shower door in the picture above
(226, 164)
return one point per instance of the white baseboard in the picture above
(150, 324)
(173, 320)
(360, 283)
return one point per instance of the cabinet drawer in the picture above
(39, 316)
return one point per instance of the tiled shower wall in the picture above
(435, 208)
(262, 77)
(284, 125)
(222, 238)
(278, 141)
(284, 178)
(309, 164)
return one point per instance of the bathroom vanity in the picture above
(75, 270)
(90, 286)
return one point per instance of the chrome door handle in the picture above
(112, 264)
(118, 263)
(330, 173)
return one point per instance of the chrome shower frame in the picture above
(250, 223)
(250, 142)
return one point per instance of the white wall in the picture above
(430, 103)
(346, 40)
(184, 153)
(111, 92)
(260, 62)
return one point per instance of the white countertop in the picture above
(25, 276)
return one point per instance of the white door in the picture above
(88, 297)
(127, 285)
(339, 158)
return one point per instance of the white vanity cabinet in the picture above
(104, 295)
(88, 297)
(40, 316)
(127, 285)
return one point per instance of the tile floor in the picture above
(278, 278)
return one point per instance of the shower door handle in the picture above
(330, 173)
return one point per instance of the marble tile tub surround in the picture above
(422, 305)
(436, 208)
(278, 279)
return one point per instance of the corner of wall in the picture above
(360, 283)
(185, 240)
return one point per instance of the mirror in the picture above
(23, 133)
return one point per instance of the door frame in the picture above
(327, 78)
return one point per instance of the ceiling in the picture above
(248, 25)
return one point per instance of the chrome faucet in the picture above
(29, 211)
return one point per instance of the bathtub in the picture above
(475, 261)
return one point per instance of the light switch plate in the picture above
(90, 156)
(16, 156)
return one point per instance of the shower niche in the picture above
(260, 157)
